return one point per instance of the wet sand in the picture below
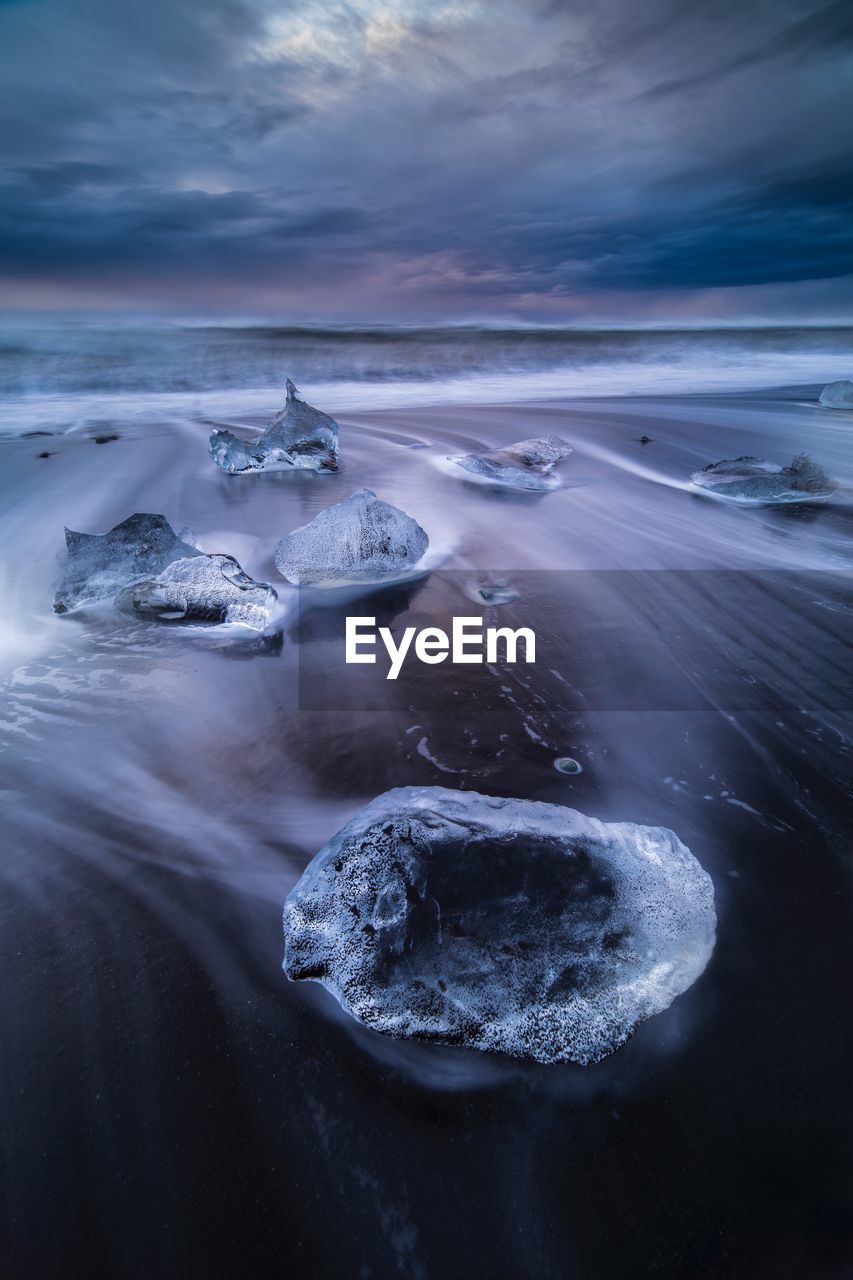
(172, 1105)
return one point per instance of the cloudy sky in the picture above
(531, 160)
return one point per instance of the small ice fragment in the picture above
(498, 924)
(837, 395)
(299, 437)
(527, 465)
(542, 452)
(566, 764)
(359, 539)
(749, 479)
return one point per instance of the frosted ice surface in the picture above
(837, 395)
(543, 451)
(99, 565)
(361, 537)
(300, 436)
(204, 589)
(750, 479)
(527, 465)
(233, 454)
(500, 924)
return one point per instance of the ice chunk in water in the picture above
(203, 589)
(361, 538)
(542, 452)
(299, 437)
(527, 465)
(99, 565)
(751, 480)
(500, 924)
(235, 455)
(837, 395)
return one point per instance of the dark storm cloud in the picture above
(795, 228)
(799, 230)
(407, 157)
(190, 229)
(825, 32)
(68, 176)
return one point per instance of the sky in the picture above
(510, 161)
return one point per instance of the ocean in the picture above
(76, 371)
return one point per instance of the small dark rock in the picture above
(105, 439)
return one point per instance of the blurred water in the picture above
(73, 372)
(170, 1104)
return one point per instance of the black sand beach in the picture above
(173, 1106)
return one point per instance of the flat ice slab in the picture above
(527, 465)
(749, 479)
(498, 924)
